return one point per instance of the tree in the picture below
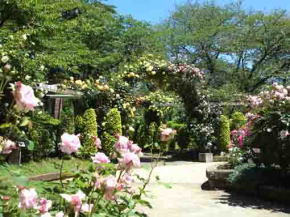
(231, 44)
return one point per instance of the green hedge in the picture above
(89, 129)
(112, 125)
(224, 134)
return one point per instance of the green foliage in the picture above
(90, 129)
(249, 177)
(238, 119)
(267, 134)
(112, 126)
(42, 136)
(226, 39)
(67, 121)
(224, 133)
(79, 124)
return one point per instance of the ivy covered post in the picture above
(89, 131)
(112, 126)
(225, 134)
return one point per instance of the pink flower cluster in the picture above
(238, 136)
(29, 200)
(24, 97)
(167, 134)
(275, 93)
(7, 146)
(129, 158)
(186, 69)
(124, 145)
(76, 201)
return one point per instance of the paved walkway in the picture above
(185, 198)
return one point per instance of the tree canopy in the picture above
(247, 48)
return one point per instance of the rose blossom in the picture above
(100, 158)
(110, 183)
(59, 214)
(44, 205)
(129, 160)
(87, 208)
(167, 134)
(8, 147)
(97, 142)
(122, 144)
(24, 97)
(69, 143)
(136, 149)
(28, 198)
(75, 199)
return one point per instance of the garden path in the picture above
(185, 198)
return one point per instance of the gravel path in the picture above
(185, 198)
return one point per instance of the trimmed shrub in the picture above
(90, 129)
(225, 133)
(79, 124)
(238, 120)
(112, 126)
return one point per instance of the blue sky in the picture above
(156, 10)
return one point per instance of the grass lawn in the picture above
(45, 166)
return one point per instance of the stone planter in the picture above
(205, 157)
(218, 176)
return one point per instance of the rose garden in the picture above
(96, 107)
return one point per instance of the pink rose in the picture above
(97, 142)
(28, 198)
(100, 158)
(44, 205)
(59, 214)
(9, 146)
(75, 200)
(69, 143)
(87, 208)
(127, 179)
(122, 144)
(24, 97)
(110, 183)
(136, 149)
(129, 161)
(167, 134)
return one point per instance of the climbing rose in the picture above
(122, 144)
(110, 183)
(28, 198)
(129, 161)
(100, 158)
(24, 97)
(167, 134)
(69, 143)
(44, 205)
(75, 199)
(8, 146)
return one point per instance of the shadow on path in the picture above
(235, 199)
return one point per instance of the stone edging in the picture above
(218, 178)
